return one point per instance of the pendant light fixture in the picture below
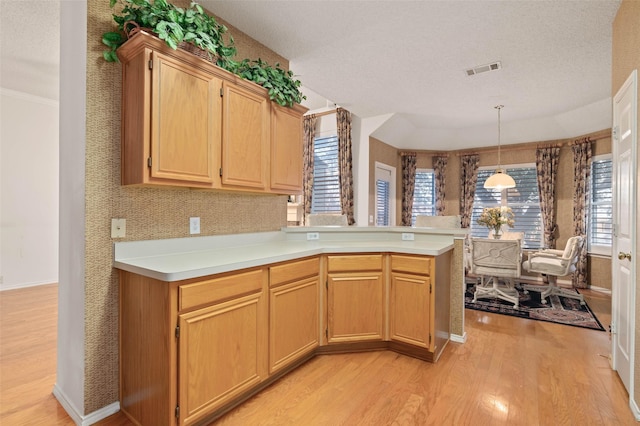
(499, 180)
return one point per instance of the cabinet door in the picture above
(185, 125)
(222, 350)
(293, 322)
(409, 306)
(286, 149)
(245, 138)
(355, 306)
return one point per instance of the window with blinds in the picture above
(382, 202)
(325, 196)
(601, 209)
(424, 197)
(523, 200)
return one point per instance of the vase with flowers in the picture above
(495, 217)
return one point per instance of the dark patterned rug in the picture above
(558, 309)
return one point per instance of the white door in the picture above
(624, 206)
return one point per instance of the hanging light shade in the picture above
(499, 180)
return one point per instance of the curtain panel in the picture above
(408, 186)
(581, 178)
(345, 163)
(468, 179)
(309, 128)
(439, 169)
(547, 170)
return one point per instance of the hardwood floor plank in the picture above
(511, 371)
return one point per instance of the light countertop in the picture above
(184, 258)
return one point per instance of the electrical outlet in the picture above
(408, 236)
(118, 228)
(313, 236)
(194, 225)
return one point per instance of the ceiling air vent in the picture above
(484, 68)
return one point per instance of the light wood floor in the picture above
(510, 371)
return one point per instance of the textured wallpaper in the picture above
(150, 213)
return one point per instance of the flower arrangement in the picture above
(495, 217)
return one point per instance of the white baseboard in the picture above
(101, 414)
(71, 410)
(634, 409)
(600, 289)
(5, 287)
(458, 338)
(74, 413)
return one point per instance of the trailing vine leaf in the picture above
(175, 25)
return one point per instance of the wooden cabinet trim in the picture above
(215, 290)
(295, 270)
(421, 265)
(354, 262)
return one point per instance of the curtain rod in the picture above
(430, 153)
(320, 114)
(594, 137)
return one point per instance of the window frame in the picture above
(504, 201)
(599, 249)
(433, 192)
(335, 175)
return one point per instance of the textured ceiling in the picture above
(404, 60)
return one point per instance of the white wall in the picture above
(69, 387)
(28, 190)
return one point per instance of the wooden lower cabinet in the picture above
(410, 303)
(293, 312)
(215, 350)
(221, 355)
(419, 304)
(355, 298)
(192, 349)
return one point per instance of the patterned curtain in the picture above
(547, 168)
(345, 163)
(408, 186)
(439, 168)
(309, 126)
(581, 177)
(468, 180)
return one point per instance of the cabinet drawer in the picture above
(293, 271)
(219, 289)
(413, 264)
(359, 262)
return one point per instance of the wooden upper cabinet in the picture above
(286, 149)
(187, 122)
(169, 134)
(184, 102)
(245, 138)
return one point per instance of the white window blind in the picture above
(601, 208)
(424, 197)
(523, 200)
(382, 202)
(325, 196)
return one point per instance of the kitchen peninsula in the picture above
(207, 322)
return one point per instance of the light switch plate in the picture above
(194, 225)
(313, 236)
(408, 236)
(118, 228)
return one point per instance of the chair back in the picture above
(509, 236)
(556, 262)
(453, 221)
(500, 258)
(317, 219)
(573, 248)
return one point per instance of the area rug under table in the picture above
(558, 309)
